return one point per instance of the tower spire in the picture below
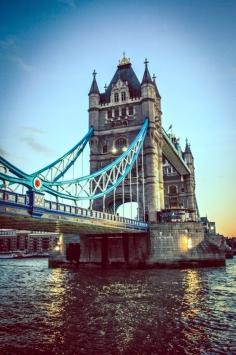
(146, 76)
(154, 82)
(94, 87)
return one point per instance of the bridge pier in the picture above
(67, 251)
(165, 245)
(181, 244)
(110, 250)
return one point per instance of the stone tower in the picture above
(117, 116)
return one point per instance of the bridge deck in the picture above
(16, 213)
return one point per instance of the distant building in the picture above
(28, 241)
(210, 227)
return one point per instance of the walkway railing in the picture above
(12, 198)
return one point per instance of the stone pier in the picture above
(115, 250)
(67, 251)
(165, 245)
(182, 244)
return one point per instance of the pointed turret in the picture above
(187, 147)
(94, 87)
(188, 156)
(146, 76)
(94, 101)
(156, 89)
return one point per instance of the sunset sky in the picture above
(49, 49)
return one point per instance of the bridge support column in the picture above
(66, 252)
(181, 244)
(114, 250)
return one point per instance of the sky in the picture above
(49, 49)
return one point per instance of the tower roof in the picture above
(94, 87)
(187, 147)
(156, 89)
(125, 73)
(146, 76)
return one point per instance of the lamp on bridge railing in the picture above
(114, 150)
(124, 149)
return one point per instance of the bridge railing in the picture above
(20, 200)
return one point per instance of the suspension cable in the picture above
(130, 191)
(82, 171)
(143, 187)
(114, 192)
(123, 192)
(114, 201)
(137, 189)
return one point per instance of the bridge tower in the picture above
(116, 116)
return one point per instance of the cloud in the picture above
(36, 146)
(3, 152)
(29, 136)
(9, 47)
(233, 70)
(69, 3)
(21, 64)
(33, 130)
(8, 44)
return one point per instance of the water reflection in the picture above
(116, 312)
(192, 289)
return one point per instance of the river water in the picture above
(58, 311)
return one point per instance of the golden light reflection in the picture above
(192, 286)
(56, 294)
(190, 243)
(183, 243)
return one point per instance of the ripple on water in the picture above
(116, 312)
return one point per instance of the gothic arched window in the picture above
(173, 190)
(104, 147)
(123, 95)
(120, 143)
(116, 97)
(131, 110)
(123, 111)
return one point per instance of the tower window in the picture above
(131, 110)
(109, 114)
(173, 190)
(123, 112)
(123, 96)
(117, 112)
(104, 148)
(120, 143)
(116, 97)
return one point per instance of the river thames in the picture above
(59, 311)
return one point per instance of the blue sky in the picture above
(48, 50)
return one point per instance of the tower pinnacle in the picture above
(146, 76)
(94, 87)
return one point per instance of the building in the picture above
(116, 116)
(209, 227)
(39, 242)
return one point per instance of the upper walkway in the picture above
(16, 212)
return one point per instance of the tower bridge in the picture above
(132, 159)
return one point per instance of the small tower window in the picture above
(109, 114)
(131, 110)
(123, 96)
(120, 143)
(173, 190)
(116, 97)
(123, 112)
(117, 112)
(104, 148)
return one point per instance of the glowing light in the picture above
(183, 243)
(124, 149)
(114, 150)
(57, 248)
(190, 243)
